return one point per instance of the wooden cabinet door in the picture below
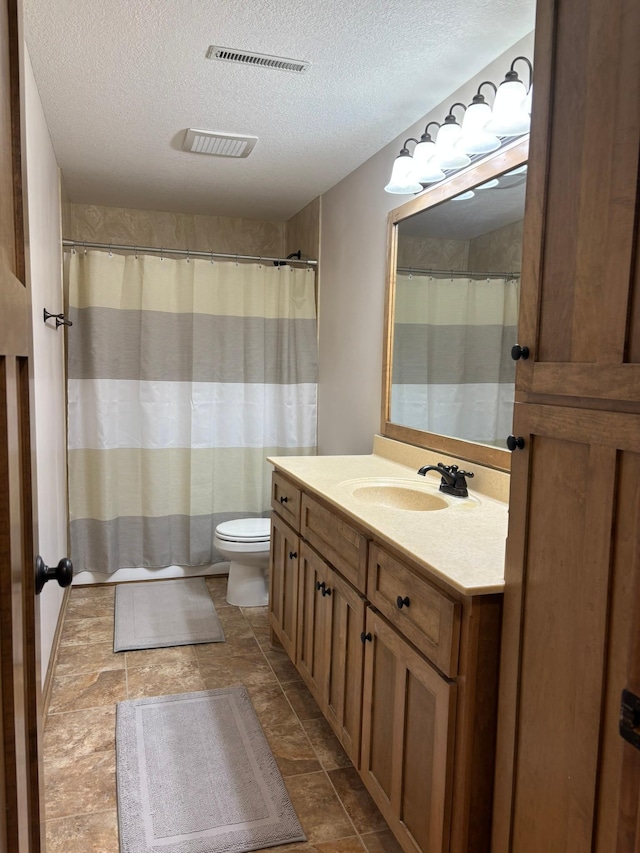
(570, 635)
(344, 661)
(407, 739)
(20, 799)
(580, 307)
(314, 577)
(283, 584)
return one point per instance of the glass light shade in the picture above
(402, 181)
(464, 196)
(526, 104)
(448, 155)
(474, 139)
(508, 117)
(425, 165)
(489, 185)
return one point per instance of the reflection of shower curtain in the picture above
(452, 369)
(182, 377)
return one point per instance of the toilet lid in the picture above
(245, 530)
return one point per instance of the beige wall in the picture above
(498, 250)
(45, 260)
(352, 286)
(302, 231)
(174, 230)
(432, 253)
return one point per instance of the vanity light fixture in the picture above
(474, 138)
(426, 169)
(509, 116)
(402, 181)
(464, 196)
(488, 185)
(448, 153)
(484, 129)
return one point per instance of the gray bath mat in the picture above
(195, 775)
(157, 614)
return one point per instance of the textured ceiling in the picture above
(121, 80)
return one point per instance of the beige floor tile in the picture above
(343, 845)
(212, 652)
(150, 657)
(319, 810)
(164, 680)
(83, 631)
(76, 733)
(381, 842)
(250, 670)
(234, 625)
(88, 785)
(92, 833)
(326, 745)
(257, 617)
(218, 590)
(90, 690)
(292, 750)
(302, 701)
(281, 664)
(271, 706)
(93, 657)
(87, 604)
(357, 801)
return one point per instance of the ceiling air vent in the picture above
(262, 60)
(218, 144)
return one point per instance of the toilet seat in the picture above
(245, 530)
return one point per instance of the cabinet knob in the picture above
(284, 499)
(518, 352)
(320, 585)
(402, 602)
(515, 442)
(326, 590)
(293, 555)
(366, 637)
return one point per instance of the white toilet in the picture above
(245, 543)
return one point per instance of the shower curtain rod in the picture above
(460, 273)
(86, 244)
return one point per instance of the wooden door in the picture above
(572, 614)
(312, 622)
(283, 584)
(580, 306)
(344, 662)
(19, 688)
(407, 739)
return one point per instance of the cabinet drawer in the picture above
(427, 617)
(338, 542)
(285, 499)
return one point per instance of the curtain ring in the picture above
(110, 252)
(188, 257)
(73, 249)
(260, 262)
(85, 246)
(212, 257)
(161, 253)
(410, 274)
(135, 251)
(236, 260)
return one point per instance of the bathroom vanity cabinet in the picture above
(404, 668)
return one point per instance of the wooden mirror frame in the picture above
(509, 157)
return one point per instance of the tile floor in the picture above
(335, 810)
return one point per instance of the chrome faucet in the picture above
(452, 481)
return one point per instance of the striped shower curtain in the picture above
(183, 375)
(452, 371)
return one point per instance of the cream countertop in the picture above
(463, 546)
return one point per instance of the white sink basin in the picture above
(403, 494)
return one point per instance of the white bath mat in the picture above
(195, 774)
(158, 614)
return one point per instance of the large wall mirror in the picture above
(453, 295)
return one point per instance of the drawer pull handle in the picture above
(293, 555)
(326, 590)
(320, 585)
(364, 637)
(402, 602)
(518, 352)
(284, 500)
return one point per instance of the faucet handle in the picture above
(465, 474)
